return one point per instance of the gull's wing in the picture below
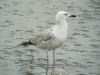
(45, 40)
(43, 37)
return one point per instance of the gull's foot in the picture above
(52, 66)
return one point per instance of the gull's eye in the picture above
(65, 14)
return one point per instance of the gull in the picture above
(52, 38)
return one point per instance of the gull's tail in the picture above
(26, 43)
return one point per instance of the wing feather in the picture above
(43, 37)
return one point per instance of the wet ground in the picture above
(22, 19)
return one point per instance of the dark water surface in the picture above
(22, 19)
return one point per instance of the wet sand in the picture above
(22, 19)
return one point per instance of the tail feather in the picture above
(26, 43)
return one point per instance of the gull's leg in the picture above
(47, 64)
(53, 59)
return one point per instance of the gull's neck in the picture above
(60, 30)
(62, 23)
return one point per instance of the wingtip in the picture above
(26, 43)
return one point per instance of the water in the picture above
(22, 19)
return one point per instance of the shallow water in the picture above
(22, 19)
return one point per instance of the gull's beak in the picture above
(72, 16)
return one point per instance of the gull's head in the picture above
(63, 15)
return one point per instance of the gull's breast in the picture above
(60, 33)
